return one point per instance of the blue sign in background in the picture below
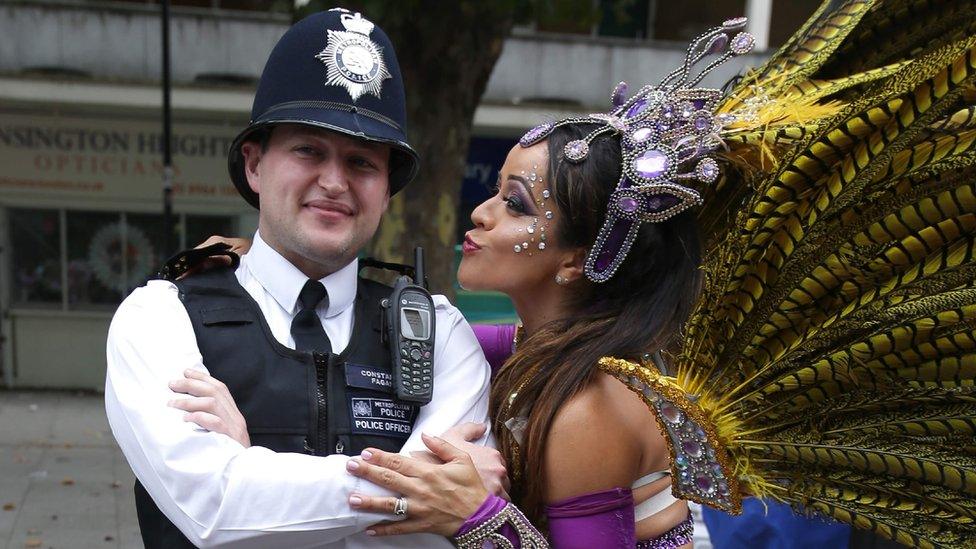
(485, 157)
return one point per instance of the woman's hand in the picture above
(239, 246)
(439, 497)
(211, 406)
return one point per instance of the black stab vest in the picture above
(293, 401)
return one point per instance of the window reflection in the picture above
(108, 254)
(35, 238)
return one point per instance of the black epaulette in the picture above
(182, 262)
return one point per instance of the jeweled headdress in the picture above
(666, 132)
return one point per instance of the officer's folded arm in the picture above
(215, 490)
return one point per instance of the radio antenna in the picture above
(420, 275)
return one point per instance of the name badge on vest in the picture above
(368, 377)
(381, 416)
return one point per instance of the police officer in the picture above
(292, 332)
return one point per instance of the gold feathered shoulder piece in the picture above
(830, 360)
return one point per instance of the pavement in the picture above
(63, 481)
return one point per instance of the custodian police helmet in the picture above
(333, 70)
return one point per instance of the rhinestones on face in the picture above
(535, 229)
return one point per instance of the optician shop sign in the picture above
(98, 158)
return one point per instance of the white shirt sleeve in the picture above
(218, 492)
(461, 378)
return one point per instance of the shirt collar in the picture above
(283, 281)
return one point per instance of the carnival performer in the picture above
(828, 360)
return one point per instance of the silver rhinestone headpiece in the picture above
(666, 133)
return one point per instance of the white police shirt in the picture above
(218, 492)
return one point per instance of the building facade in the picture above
(81, 219)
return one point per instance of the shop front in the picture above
(82, 225)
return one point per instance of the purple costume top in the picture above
(597, 520)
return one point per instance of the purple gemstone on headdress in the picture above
(702, 122)
(742, 43)
(535, 134)
(636, 108)
(661, 202)
(619, 95)
(735, 23)
(612, 245)
(576, 151)
(718, 43)
(641, 135)
(691, 448)
(698, 103)
(707, 170)
(704, 483)
(652, 164)
(663, 126)
(627, 204)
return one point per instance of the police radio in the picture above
(408, 324)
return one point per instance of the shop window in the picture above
(100, 254)
(106, 254)
(36, 258)
(151, 229)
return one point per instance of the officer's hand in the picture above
(439, 497)
(489, 461)
(239, 246)
(211, 406)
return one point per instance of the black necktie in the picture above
(306, 327)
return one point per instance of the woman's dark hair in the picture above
(634, 313)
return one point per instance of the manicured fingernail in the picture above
(355, 501)
(352, 465)
(366, 454)
(370, 532)
(187, 372)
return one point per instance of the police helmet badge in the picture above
(353, 60)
